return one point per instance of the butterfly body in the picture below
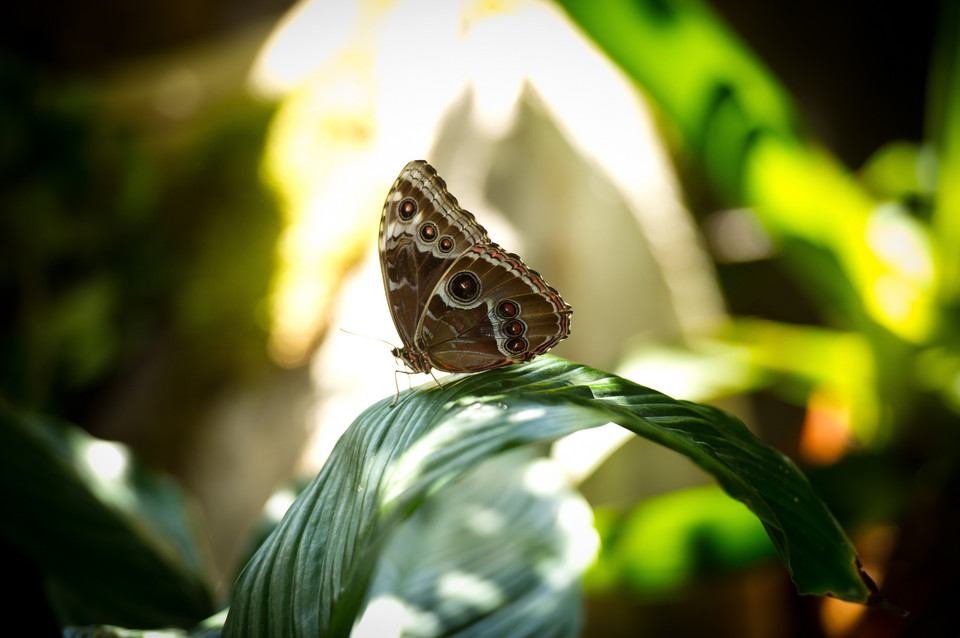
(460, 302)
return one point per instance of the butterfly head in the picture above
(416, 362)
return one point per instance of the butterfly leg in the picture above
(397, 383)
(396, 397)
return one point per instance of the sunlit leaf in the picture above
(312, 575)
(739, 123)
(499, 551)
(944, 128)
(900, 170)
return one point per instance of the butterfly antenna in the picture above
(356, 334)
(396, 397)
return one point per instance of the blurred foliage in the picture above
(875, 254)
(132, 272)
(71, 199)
(669, 540)
(867, 263)
(115, 542)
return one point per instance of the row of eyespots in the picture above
(510, 309)
(427, 230)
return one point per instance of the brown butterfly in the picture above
(460, 302)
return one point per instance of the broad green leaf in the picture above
(312, 575)
(112, 540)
(499, 552)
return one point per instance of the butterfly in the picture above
(460, 302)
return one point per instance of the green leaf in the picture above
(111, 539)
(944, 131)
(669, 540)
(312, 575)
(714, 90)
(499, 552)
(741, 126)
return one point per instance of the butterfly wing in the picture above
(490, 310)
(423, 231)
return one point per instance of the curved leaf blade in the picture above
(312, 575)
(499, 552)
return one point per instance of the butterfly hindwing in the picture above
(491, 311)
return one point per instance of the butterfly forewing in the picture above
(422, 231)
(459, 302)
